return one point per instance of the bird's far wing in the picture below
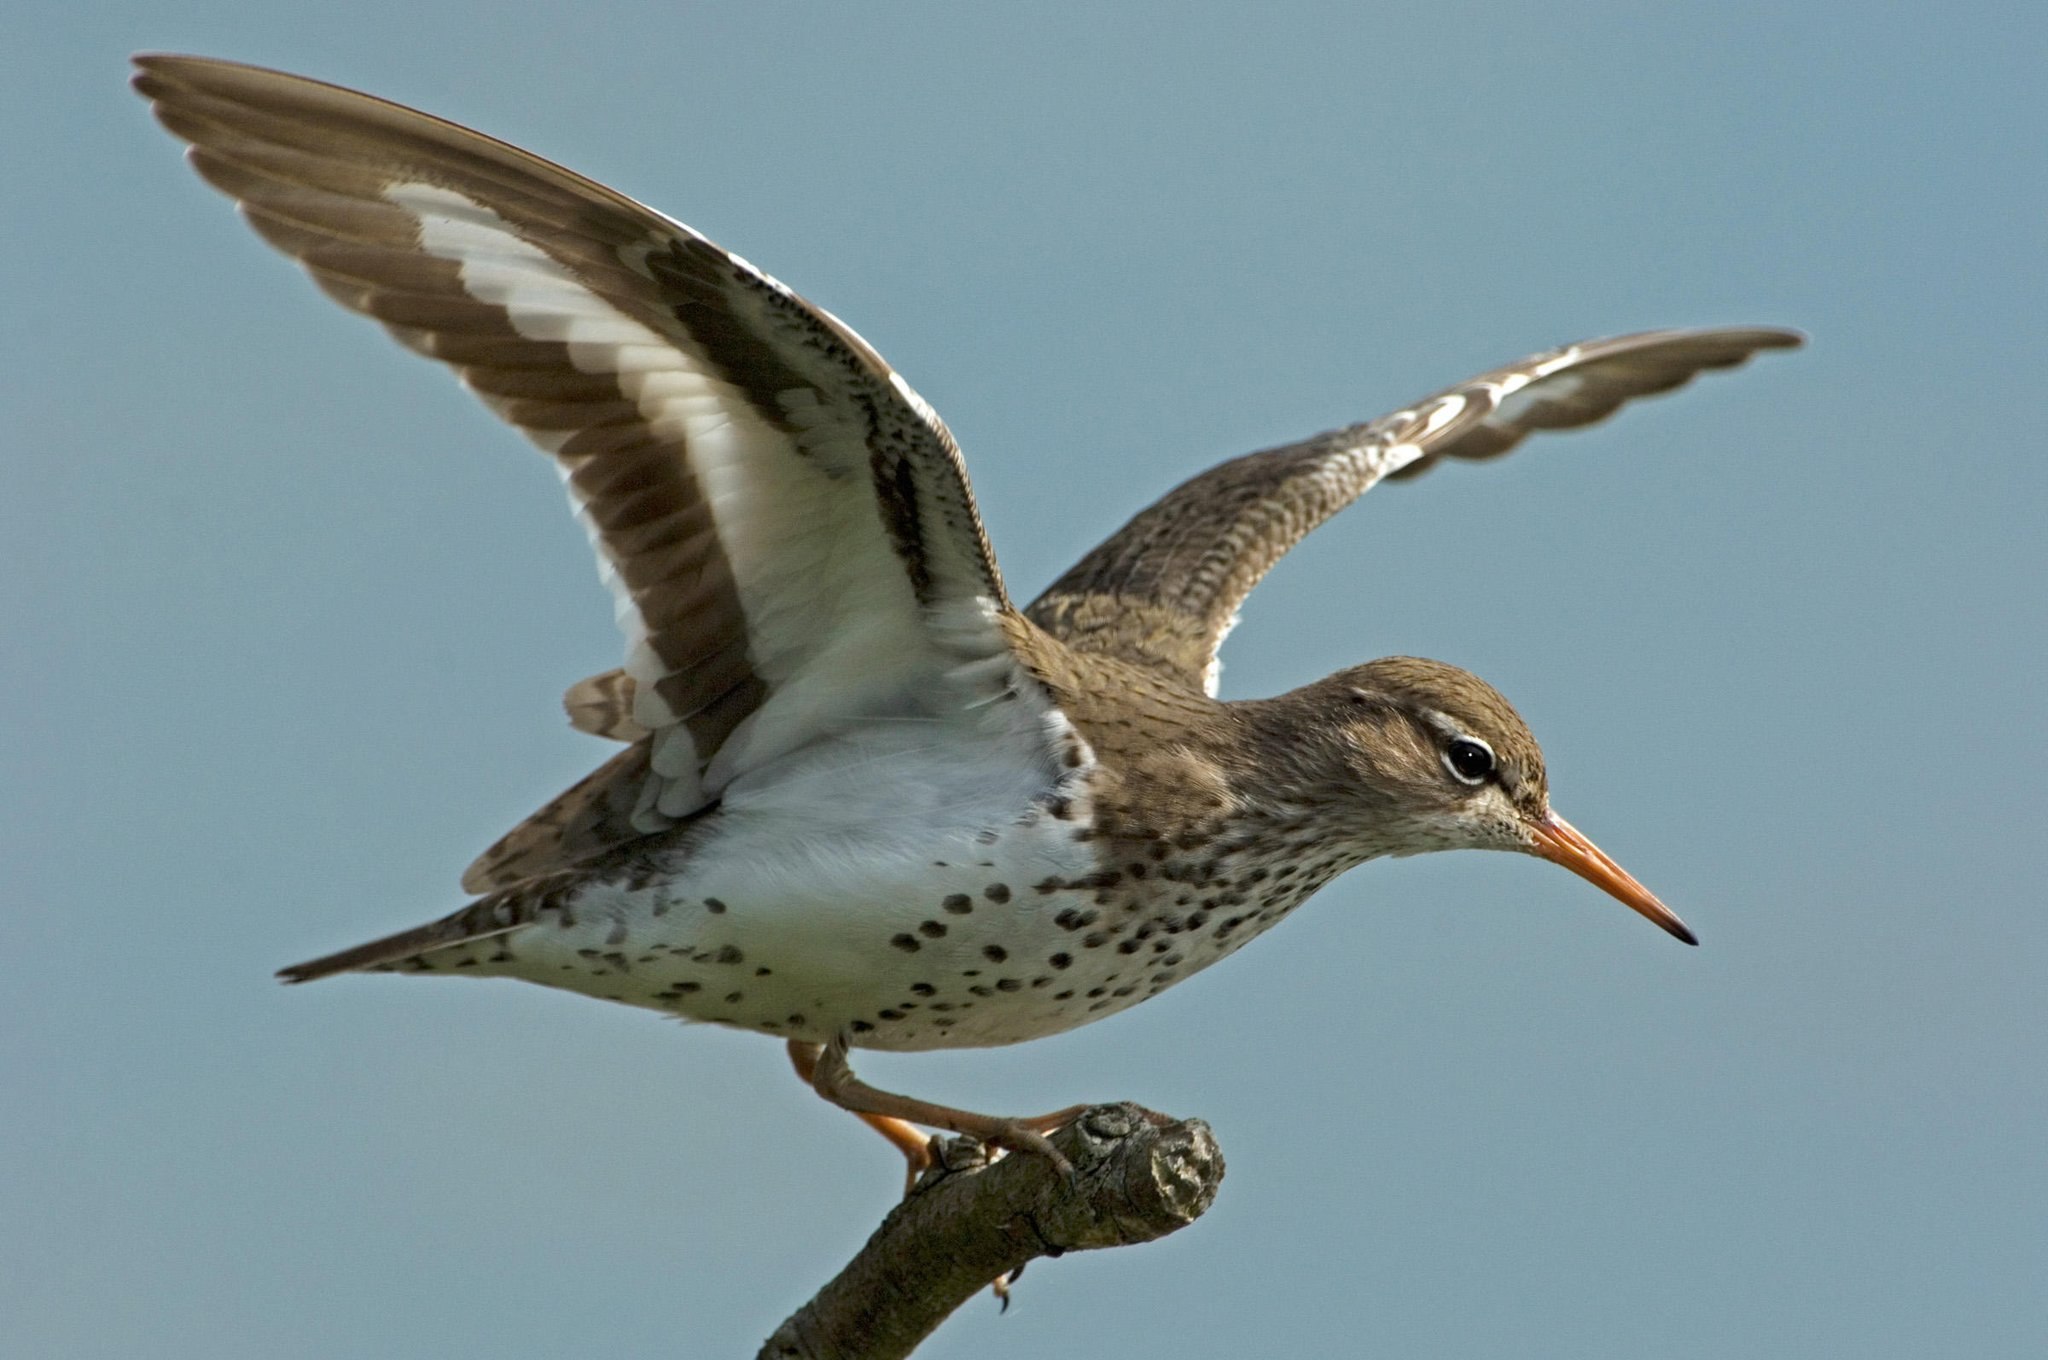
(786, 527)
(1164, 590)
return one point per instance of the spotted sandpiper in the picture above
(864, 801)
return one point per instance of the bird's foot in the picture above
(914, 1143)
(831, 1076)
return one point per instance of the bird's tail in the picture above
(395, 951)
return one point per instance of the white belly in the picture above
(903, 943)
(954, 912)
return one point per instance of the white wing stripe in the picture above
(807, 560)
(543, 302)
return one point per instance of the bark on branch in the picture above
(1132, 1181)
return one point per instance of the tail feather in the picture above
(490, 916)
(392, 950)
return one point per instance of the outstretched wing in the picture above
(786, 527)
(1165, 589)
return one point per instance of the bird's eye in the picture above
(1469, 760)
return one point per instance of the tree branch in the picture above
(1132, 1181)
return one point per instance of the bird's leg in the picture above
(833, 1078)
(912, 1142)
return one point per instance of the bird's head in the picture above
(1440, 761)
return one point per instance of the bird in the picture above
(863, 800)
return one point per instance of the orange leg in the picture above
(825, 1068)
(906, 1138)
(831, 1077)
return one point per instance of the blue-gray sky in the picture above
(287, 617)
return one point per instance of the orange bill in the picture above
(1558, 841)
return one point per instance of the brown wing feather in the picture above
(586, 819)
(648, 363)
(1165, 589)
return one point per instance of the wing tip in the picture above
(1756, 339)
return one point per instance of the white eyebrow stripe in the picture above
(1451, 727)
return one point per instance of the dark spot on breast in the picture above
(1008, 985)
(861, 1027)
(1067, 995)
(714, 906)
(979, 990)
(797, 1020)
(959, 904)
(922, 989)
(890, 1014)
(728, 954)
(1095, 939)
(733, 998)
(931, 929)
(994, 953)
(997, 892)
(1061, 960)
(905, 942)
